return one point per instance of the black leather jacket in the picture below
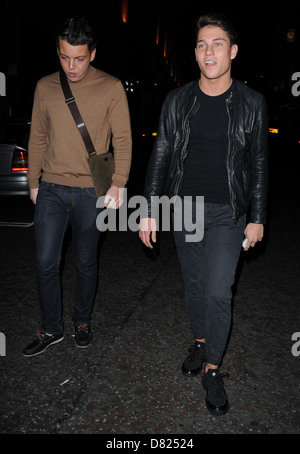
(247, 155)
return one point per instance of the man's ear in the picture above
(93, 55)
(234, 50)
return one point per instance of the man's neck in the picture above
(214, 87)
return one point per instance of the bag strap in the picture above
(70, 101)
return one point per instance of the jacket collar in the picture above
(194, 86)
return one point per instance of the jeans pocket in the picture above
(91, 193)
(44, 185)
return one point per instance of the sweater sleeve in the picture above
(121, 136)
(37, 141)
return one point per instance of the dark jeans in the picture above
(208, 270)
(58, 206)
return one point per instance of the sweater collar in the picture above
(87, 77)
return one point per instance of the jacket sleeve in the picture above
(259, 165)
(159, 161)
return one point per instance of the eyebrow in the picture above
(64, 55)
(215, 39)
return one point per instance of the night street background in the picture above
(129, 381)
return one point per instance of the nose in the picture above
(209, 49)
(72, 63)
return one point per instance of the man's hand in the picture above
(33, 194)
(147, 231)
(254, 233)
(114, 197)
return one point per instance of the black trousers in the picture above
(208, 270)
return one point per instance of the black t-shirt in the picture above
(205, 169)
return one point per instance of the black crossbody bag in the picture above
(101, 165)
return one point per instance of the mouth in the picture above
(210, 63)
(72, 74)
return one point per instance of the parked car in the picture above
(284, 123)
(14, 136)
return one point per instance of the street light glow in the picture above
(124, 11)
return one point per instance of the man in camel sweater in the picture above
(60, 181)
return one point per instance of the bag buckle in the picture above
(70, 100)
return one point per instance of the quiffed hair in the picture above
(77, 32)
(218, 20)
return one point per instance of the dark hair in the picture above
(217, 20)
(77, 32)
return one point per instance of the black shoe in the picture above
(192, 365)
(40, 343)
(216, 398)
(83, 335)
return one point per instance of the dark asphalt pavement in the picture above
(129, 380)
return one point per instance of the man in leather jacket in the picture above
(211, 142)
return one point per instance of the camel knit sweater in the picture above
(57, 153)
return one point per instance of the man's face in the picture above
(214, 53)
(75, 60)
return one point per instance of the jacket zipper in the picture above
(187, 136)
(229, 108)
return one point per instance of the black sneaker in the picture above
(216, 398)
(192, 365)
(83, 335)
(40, 343)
